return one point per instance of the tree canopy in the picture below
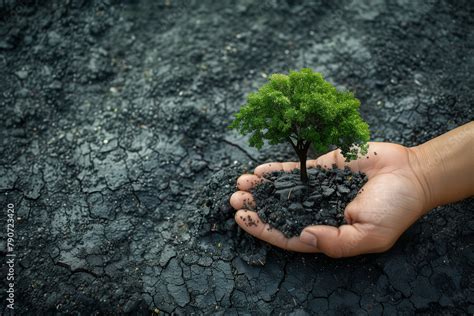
(304, 109)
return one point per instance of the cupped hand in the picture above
(390, 202)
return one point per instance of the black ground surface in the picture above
(289, 205)
(115, 152)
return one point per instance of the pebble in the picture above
(198, 165)
(5, 45)
(343, 189)
(327, 191)
(331, 222)
(291, 193)
(283, 184)
(295, 207)
(308, 204)
(316, 197)
(21, 74)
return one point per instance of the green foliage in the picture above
(302, 108)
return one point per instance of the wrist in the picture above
(422, 162)
(443, 166)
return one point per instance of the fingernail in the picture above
(309, 239)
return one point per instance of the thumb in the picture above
(338, 242)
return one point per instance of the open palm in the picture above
(391, 201)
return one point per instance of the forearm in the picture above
(445, 166)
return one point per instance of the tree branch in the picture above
(306, 146)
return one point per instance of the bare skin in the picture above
(404, 184)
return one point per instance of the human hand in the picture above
(391, 201)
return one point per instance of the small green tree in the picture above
(303, 109)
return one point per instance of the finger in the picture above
(281, 166)
(252, 224)
(362, 203)
(247, 181)
(242, 199)
(351, 212)
(336, 158)
(343, 241)
(275, 166)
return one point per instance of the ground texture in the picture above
(115, 152)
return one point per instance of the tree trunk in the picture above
(303, 171)
(301, 149)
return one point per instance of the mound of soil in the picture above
(214, 216)
(289, 205)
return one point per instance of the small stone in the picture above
(343, 189)
(54, 38)
(4, 45)
(198, 165)
(327, 191)
(316, 197)
(21, 74)
(55, 85)
(285, 178)
(331, 222)
(295, 207)
(308, 204)
(283, 184)
(291, 193)
(131, 305)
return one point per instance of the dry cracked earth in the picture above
(116, 156)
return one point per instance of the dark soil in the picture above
(289, 205)
(116, 153)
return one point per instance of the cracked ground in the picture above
(116, 154)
